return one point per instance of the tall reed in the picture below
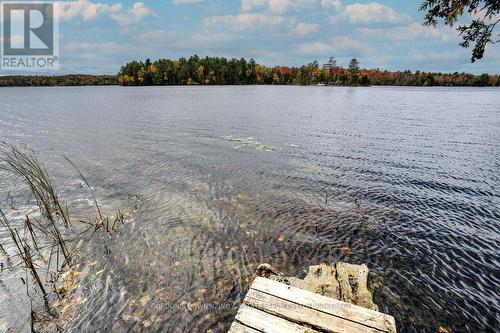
(23, 251)
(26, 166)
(50, 232)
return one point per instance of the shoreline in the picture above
(248, 85)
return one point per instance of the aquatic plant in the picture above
(25, 165)
(38, 240)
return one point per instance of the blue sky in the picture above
(99, 36)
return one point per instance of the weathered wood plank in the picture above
(237, 327)
(325, 304)
(267, 323)
(302, 314)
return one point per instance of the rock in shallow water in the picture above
(342, 281)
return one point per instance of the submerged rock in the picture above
(342, 281)
(322, 279)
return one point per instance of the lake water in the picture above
(405, 180)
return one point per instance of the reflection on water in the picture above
(402, 179)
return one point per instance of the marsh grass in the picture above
(26, 166)
(50, 233)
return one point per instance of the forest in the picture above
(221, 71)
(62, 80)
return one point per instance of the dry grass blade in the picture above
(28, 261)
(32, 232)
(5, 223)
(88, 185)
(24, 251)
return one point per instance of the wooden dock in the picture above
(274, 307)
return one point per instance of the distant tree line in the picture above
(64, 80)
(222, 71)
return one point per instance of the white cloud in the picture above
(482, 14)
(205, 40)
(276, 6)
(412, 30)
(108, 47)
(154, 34)
(213, 37)
(337, 4)
(134, 15)
(372, 12)
(302, 29)
(183, 41)
(314, 48)
(243, 22)
(345, 42)
(183, 2)
(86, 9)
(332, 46)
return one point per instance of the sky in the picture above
(100, 36)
